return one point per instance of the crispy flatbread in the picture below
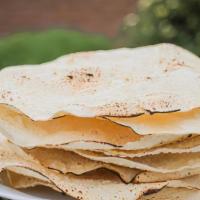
(145, 143)
(86, 186)
(164, 163)
(172, 194)
(189, 145)
(70, 162)
(26, 132)
(115, 83)
(152, 177)
(66, 161)
(163, 123)
(14, 177)
(18, 180)
(81, 187)
(91, 133)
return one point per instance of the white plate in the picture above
(37, 193)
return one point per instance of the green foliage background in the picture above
(32, 48)
(156, 21)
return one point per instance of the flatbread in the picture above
(163, 163)
(66, 161)
(145, 143)
(152, 177)
(21, 181)
(173, 194)
(26, 132)
(81, 187)
(115, 83)
(70, 162)
(189, 145)
(192, 182)
(91, 133)
(18, 180)
(163, 123)
(86, 186)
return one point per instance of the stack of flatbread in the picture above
(120, 124)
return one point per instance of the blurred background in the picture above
(41, 30)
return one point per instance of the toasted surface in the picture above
(15, 177)
(191, 144)
(75, 132)
(86, 187)
(173, 194)
(123, 82)
(163, 123)
(163, 163)
(70, 162)
(23, 131)
(151, 177)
